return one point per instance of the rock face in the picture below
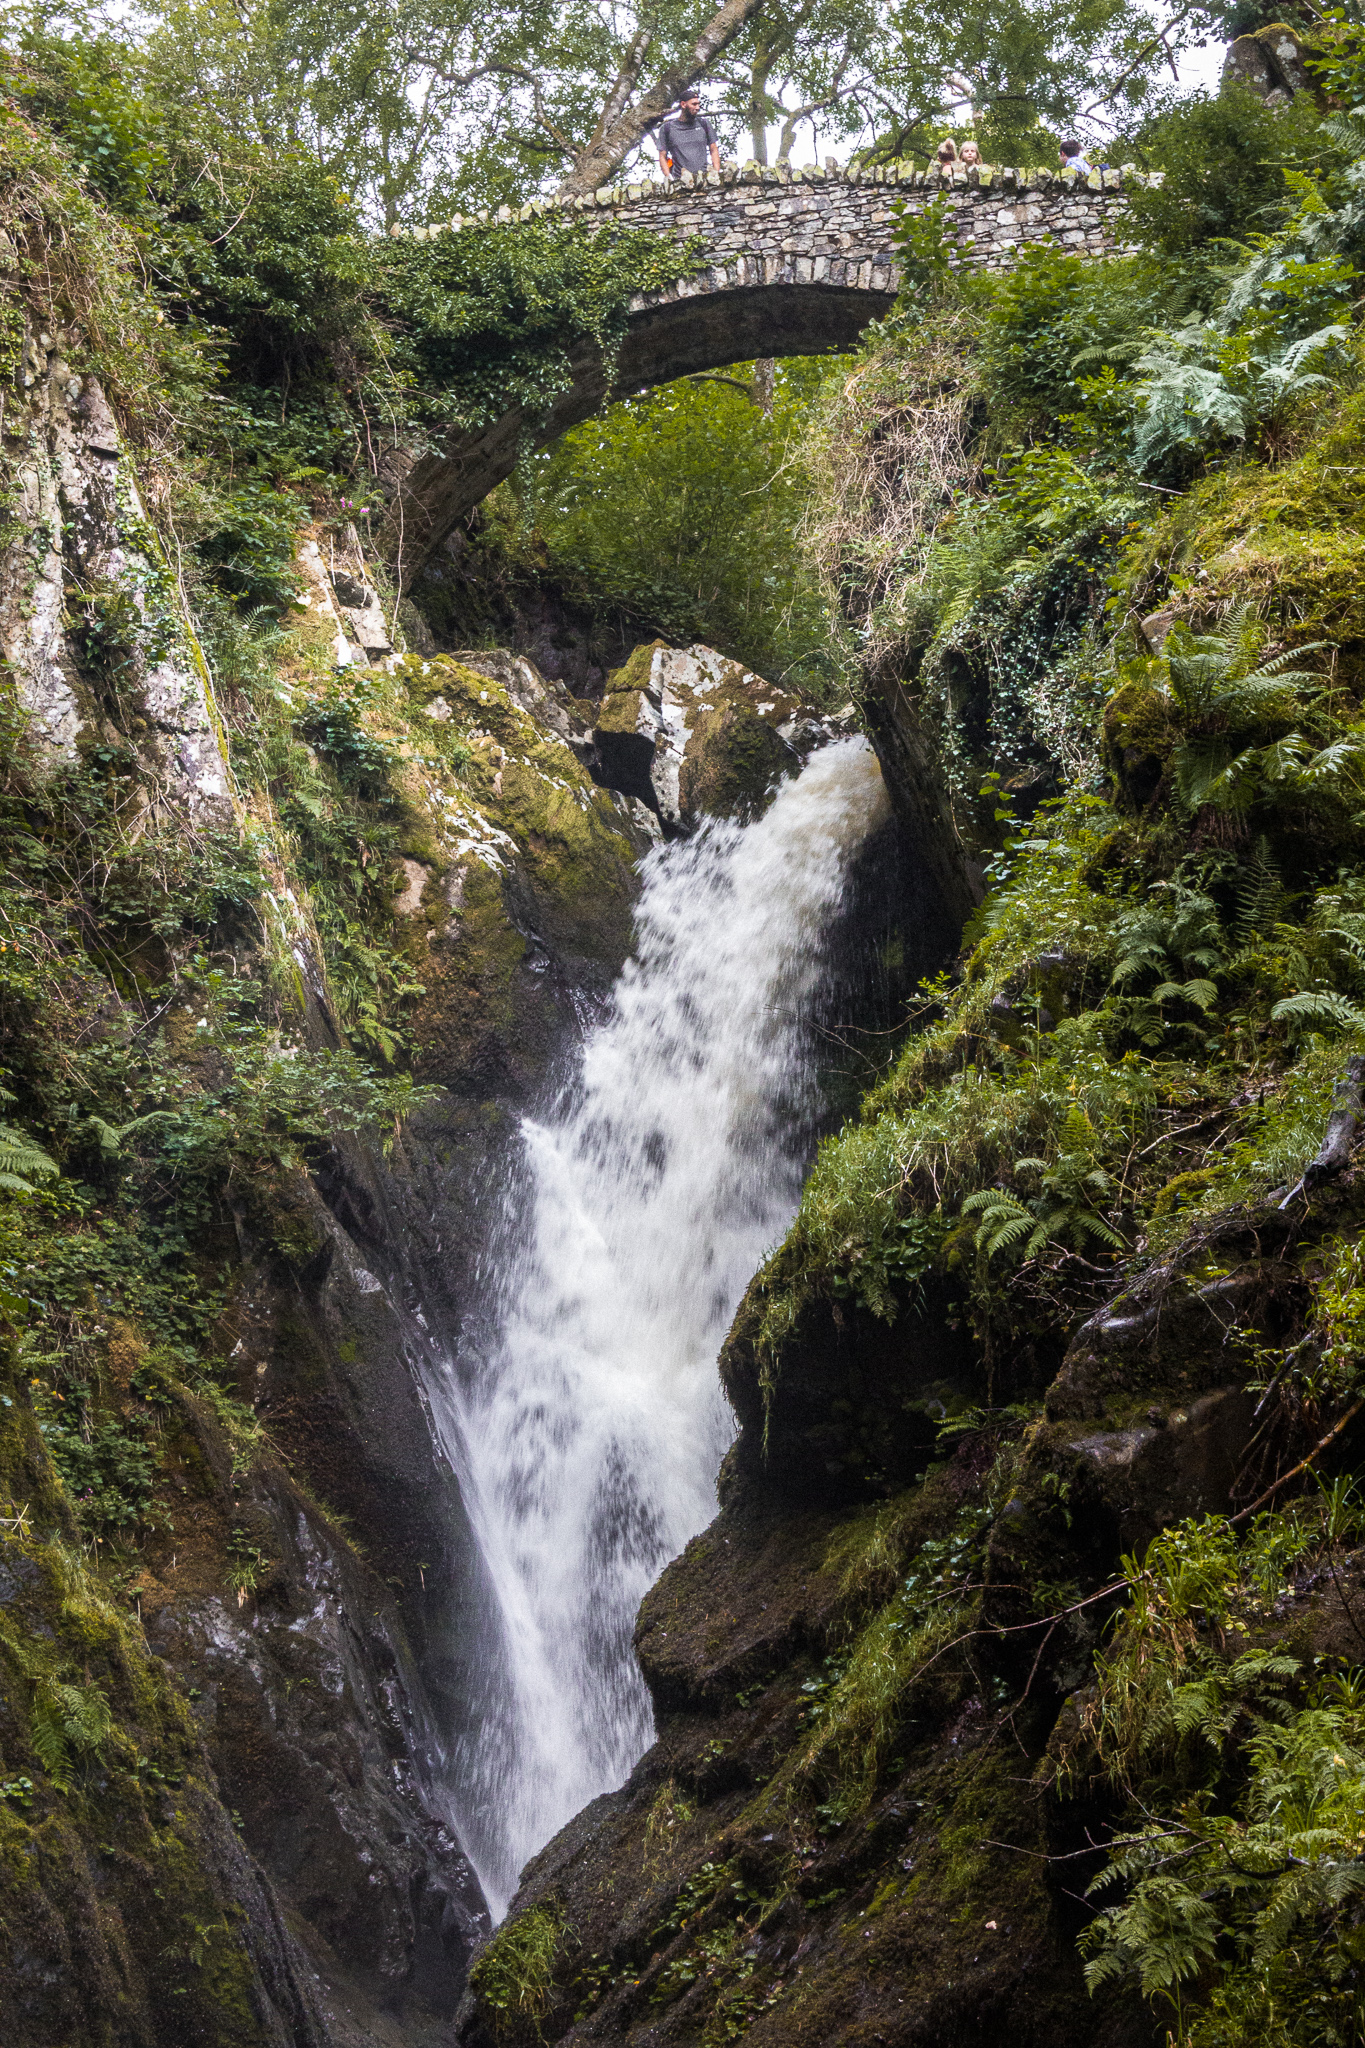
(1269, 61)
(689, 733)
(775, 1868)
(129, 1908)
(127, 663)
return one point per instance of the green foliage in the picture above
(1220, 158)
(1248, 1784)
(1204, 388)
(489, 318)
(1028, 74)
(1066, 1210)
(681, 510)
(250, 549)
(22, 1162)
(898, 1660)
(362, 762)
(512, 1976)
(922, 248)
(1053, 318)
(65, 1718)
(107, 1467)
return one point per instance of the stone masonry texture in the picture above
(769, 226)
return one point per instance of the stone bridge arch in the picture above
(802, 261)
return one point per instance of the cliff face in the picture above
(870, 1806)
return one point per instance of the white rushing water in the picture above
(591, 1429)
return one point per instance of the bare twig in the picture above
(1304, 1463)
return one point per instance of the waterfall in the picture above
(589, 1428)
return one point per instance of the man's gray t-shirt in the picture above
(687, 142)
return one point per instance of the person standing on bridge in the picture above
(686, 138)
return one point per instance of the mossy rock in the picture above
(1139, 733)
(128, 1908)
(733, 760)
(693, 734)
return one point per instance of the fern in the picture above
(48, 1736)
(22, 1162)
(67, 1717)
(1260, 893)
(1319, 1009)
(1164, 1933)
(1066, 1210)
(1229, 703)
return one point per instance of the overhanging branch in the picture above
(616, 138)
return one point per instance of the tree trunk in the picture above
(615, 138)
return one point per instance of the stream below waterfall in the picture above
(586, 1423)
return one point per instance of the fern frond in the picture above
(22, 1161)
(1319, 1009)
(48, 1736)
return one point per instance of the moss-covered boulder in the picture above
(690, 733)
(518, 881)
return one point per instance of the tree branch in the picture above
(627, 78)
(615, 139)
(563, 145)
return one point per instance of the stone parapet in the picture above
(806, 226)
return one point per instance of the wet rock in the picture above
(321, 1733)
(852, 1411)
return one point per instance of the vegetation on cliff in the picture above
(1060, 1613)
(1133, 629)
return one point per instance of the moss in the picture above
(733, 759)
(1180, 1193)
(633, 676)
(1289, 537)
(1140, 732)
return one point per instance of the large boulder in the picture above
(1270, 61)
(690, 733)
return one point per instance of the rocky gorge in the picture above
(680, 1337)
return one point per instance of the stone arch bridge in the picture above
(802, 260)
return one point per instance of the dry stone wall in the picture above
(779, 225)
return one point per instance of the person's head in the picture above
(947, 151)
(970, 153)
(1069, 148)
(689, 100)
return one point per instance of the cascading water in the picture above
(588, 1433)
